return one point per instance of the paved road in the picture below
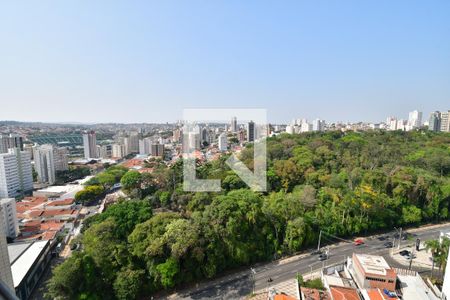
(241, 284)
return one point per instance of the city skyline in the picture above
(146, 62)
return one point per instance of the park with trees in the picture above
(344, 183)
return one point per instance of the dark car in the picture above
(382, 238)
(388, 245)
(323, 257)
(404, 252)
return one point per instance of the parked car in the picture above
(404, 252)
(388, 245)
(382, 238)
(410, 256)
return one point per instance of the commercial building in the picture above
(90, 145)
(9, 142)
(28, 261)
(8, 217)
(16, 176)
(372, 271)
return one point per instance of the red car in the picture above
(359, 242)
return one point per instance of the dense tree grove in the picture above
(100, 183)
(343, 183)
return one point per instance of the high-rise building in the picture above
(415, 119)
(251, 131)
(90, 144)
(241, 136)
(9, 218)
(402, 125)
(205, 136)
(434, 124)
(132, 143)
(104, 151)
(5, 265)
(118, 151)
(44, 164)
(9, 142)
(145, 146)
(290, 129)
(223, 142)
(391, 123)
(306, 127)
(234, 126)
(16, 176)
(157, 150)
(318, 125)
(445, 121)
(176, 135)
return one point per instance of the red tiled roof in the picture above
(283, 297)
(36, 200)
(61, 202)
(32, 224)
(49, 235)
(59, 212)
(133, 163)
(53, 226)
(344, 293)
(35, 213)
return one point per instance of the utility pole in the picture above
(400, 238)
(412, 257)
(320, 236)
(253, 277)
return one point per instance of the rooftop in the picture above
(376, 294)
(63, 202)
(373, 264)
(413, 287)
(344, 293)
(314, 294)
(22, 258)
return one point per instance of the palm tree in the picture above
(433, 246)
(439, 251)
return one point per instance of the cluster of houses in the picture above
(360, 277)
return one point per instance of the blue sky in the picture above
(143, 61)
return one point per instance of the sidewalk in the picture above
(422, 258)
